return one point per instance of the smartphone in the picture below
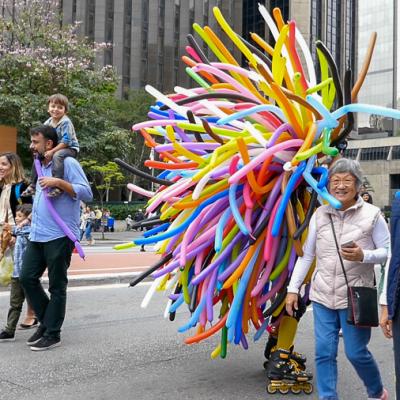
(348, 244)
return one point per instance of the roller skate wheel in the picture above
(284, 390)
(295, 389)
(308, 389)
(271, 389)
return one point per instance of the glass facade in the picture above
(283, 5)
(378, 87)
(252, 19)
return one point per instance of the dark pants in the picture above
(57, 168)
(396, 344)
(17, 297)
(56, 256)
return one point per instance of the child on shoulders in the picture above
(67, 146)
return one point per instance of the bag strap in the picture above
(18, 192)
(338, 251)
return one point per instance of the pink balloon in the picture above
(294, 143)
(137, 189)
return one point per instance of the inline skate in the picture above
(287, 373)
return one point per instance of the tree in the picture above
(124, 114)
(39, 56)
(103, 177)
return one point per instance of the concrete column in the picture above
(67, 12)
(99, 29)
(136, 46)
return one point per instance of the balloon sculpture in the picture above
(244, 165)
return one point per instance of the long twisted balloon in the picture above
(242, 159)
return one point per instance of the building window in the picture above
(283, 5)
(351, 153)
(333, 29)
(396, 153)
(109, 31)
(90, 19)
(395, 181)
(374, 153)
(316, 27)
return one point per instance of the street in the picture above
(113, 349)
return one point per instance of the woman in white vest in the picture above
(361, 227)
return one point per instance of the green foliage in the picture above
(121, 211)
(103, 177)
(40, 56)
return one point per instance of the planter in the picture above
(8, 138)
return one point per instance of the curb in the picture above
(93, 279)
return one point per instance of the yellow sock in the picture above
(287, 332)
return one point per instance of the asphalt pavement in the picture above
(114, 349)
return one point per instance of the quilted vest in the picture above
(328, 286)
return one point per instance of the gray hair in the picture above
(352, 167)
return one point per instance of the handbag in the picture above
(6, 268)
(362, 308)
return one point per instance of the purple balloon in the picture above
(55, 215)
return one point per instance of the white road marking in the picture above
(92, 287)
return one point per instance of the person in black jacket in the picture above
(12, 184)
(390, 312)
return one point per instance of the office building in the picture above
(148, 36)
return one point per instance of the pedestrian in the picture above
(129, 222)
(49, 247)
(362, 225)
(12, 184)
(366, 197)
(390, 299)
(139, 217)
(68, 146)
(90, 218)
(17, 295)
(97, 223)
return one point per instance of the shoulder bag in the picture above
(362, 308)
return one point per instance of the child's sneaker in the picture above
(55, 192)
(7, 337)
(29, 191)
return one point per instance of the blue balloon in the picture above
(280, 212)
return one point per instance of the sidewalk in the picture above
(104, 265)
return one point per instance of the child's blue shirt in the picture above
(65, 132)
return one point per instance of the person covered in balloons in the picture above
(55, 223)
(361, 227)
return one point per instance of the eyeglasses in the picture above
(344, 182)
